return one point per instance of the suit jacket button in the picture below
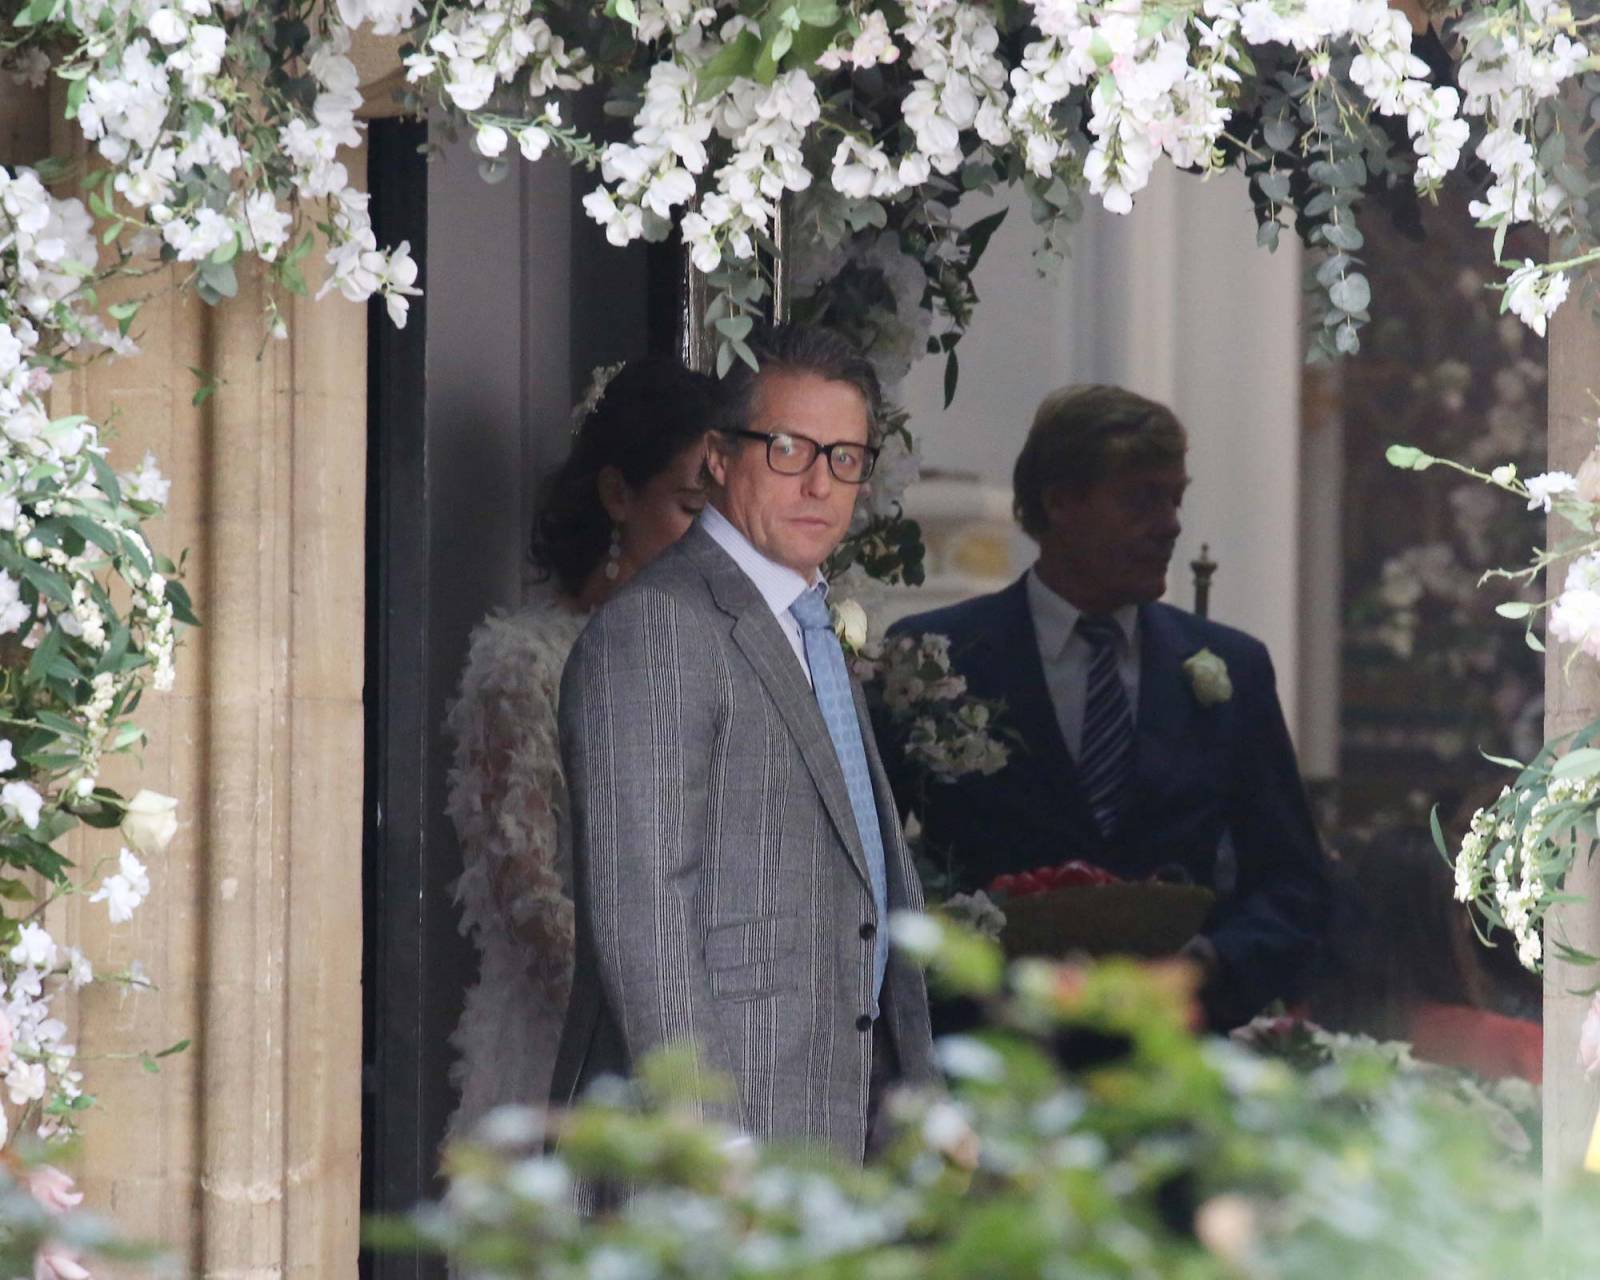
(864, 1023)
(868, 930)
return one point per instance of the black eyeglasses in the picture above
(792, 455)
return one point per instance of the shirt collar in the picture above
(779, 585)
(1055, 618)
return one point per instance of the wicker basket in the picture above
(1142, 918)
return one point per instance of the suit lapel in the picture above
(762, 641)
(1166, 705)
(1030, 710)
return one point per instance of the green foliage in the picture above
(1086, 1132)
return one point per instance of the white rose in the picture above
(491, 140)
(1208, 677)
(150, 822)
(850, 624)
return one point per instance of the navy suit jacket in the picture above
(1202, 773)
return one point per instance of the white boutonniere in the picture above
(1208, 677)
(850, 625)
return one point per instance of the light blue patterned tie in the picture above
(838, 706)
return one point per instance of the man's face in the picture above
(796, 521)
(1113, 542)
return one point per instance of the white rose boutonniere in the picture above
(1208, 677)
(850, 625)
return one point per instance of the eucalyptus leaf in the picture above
(1351, 293)
(1274, 185)
(1279, 134)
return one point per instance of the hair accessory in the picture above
(598, 379)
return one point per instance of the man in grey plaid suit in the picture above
(736, 847)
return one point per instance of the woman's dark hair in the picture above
(648, 414)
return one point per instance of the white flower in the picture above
(967, 1058)
(976, 911)
(8, 761)
(150, 822)
(918, 935)
(490, 140)
(34, 948)
(1505, 473)
(124, 891)
(80, 973)
(20, 800)
(532, 141)
(13, 612)
(872, 46)
(1208, 677)
(1532, 294)
(1575, 619)
(1543, 488)
(26, 1082)
(167, 27)
(267, 224)
(147, 483)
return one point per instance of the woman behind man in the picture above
(631, 487)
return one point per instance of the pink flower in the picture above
(55, 1261)
(1589, 1040)
(55, 1190)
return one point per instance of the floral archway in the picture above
(218, 130)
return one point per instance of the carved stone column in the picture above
(1572, 699)
(243, 1153)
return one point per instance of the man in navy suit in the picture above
(1127, 758)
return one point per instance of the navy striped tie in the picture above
(1105, 758)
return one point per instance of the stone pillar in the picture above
(1572, 699)
(243, 1154)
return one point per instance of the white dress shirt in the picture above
(779, 585)
(1066, 656)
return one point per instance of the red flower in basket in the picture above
(1067, 875)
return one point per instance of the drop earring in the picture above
(614, 555)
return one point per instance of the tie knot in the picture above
(1099, 629)
(810, 610)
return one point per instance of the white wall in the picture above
(1176, 302)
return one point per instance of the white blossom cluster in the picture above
(159, 100)
(1515, 58)
(37, 1062)
(1516, 852)
(1154, 83)
(948, 735)
(766, 125)
(42, 1082)
(82, 596)
(476, 48)
(1575, 614)
(1533, 294)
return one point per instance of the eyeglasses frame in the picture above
(822, 450)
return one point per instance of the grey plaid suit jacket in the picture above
(721, 887)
